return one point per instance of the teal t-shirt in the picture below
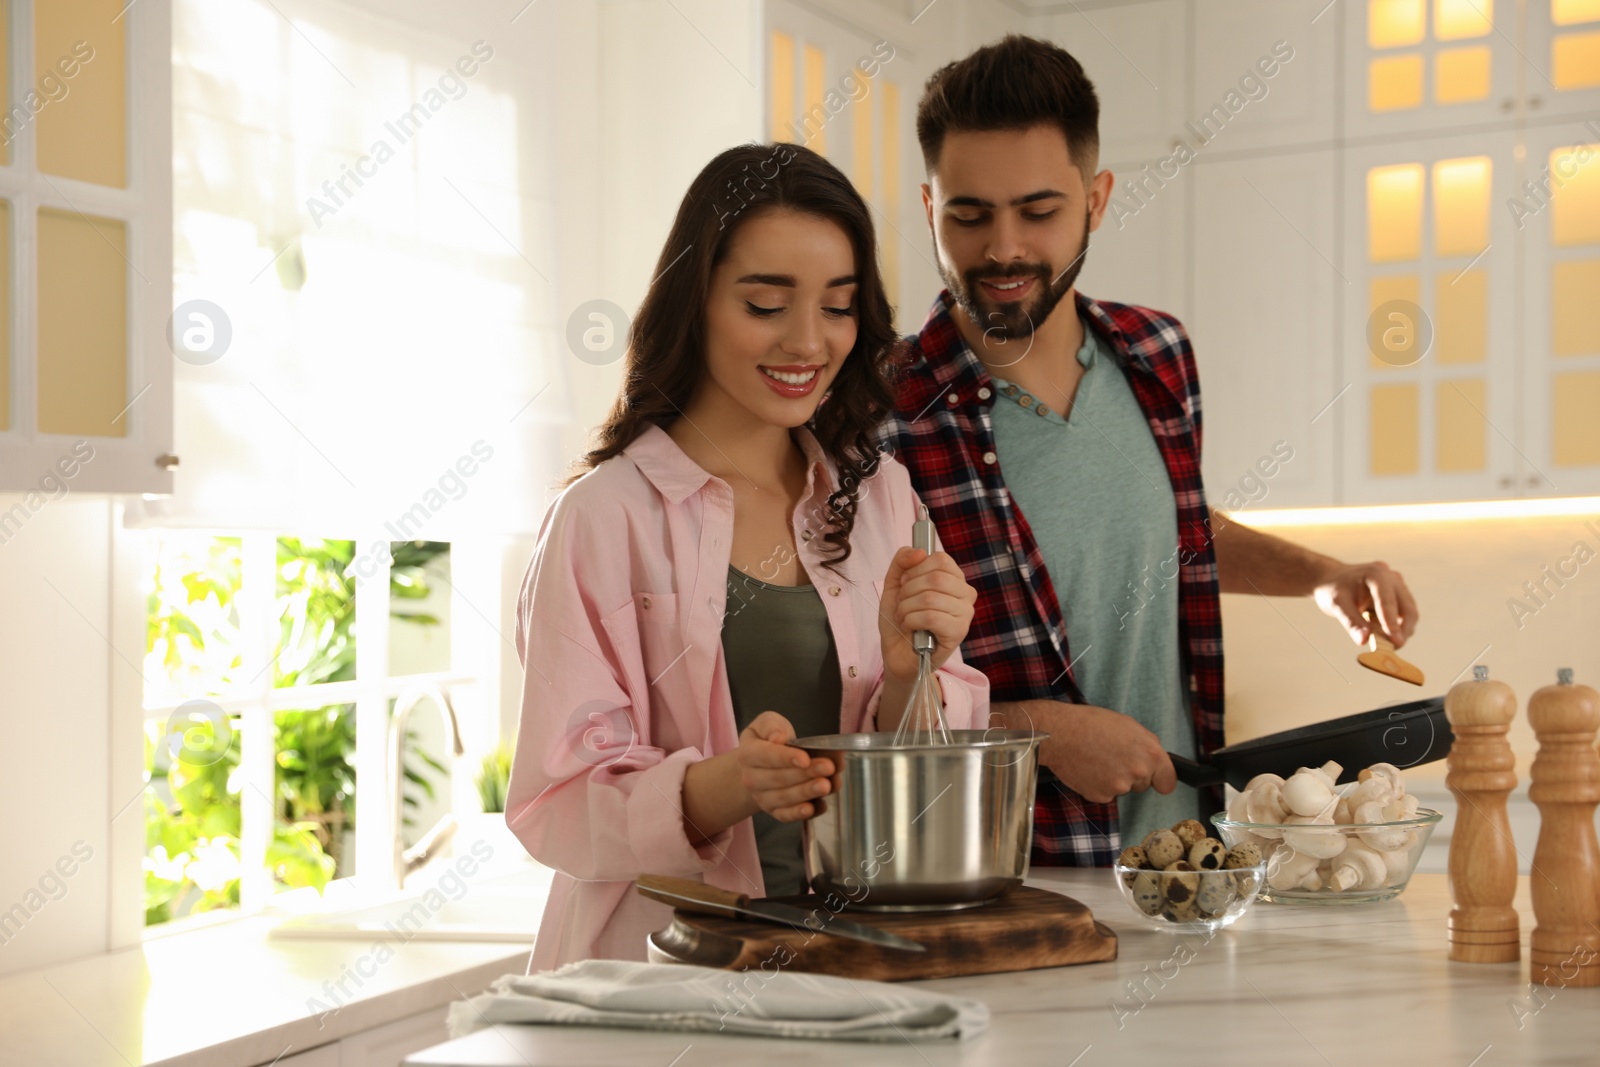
(1095, 491)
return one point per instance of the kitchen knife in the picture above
(709, 900)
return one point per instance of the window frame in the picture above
(371, 692)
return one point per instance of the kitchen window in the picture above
(368, 346)
(272, 669)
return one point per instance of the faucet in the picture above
(407, 860)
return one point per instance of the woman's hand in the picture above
(781, 780)
(922, 592)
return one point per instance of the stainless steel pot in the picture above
(922, 827)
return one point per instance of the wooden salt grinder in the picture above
(1564, 782)
(1483, 860)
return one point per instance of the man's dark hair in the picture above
(1013, 84)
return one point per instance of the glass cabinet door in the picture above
(85, 245)
(1430, 322)
(1560, 230)
(1429, 64)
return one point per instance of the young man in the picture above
(1056, 441)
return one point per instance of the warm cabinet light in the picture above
(1575, 207)
(1461, 315)
(1461, 75)
(1455, 19)
(1463, 511)
(1574, 312)
(781, 97)
(1394, 213)
(1461, 206)
(1575, 60)
(1391, 23)
(1394, 83)
(1571, 12)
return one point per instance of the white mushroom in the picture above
(1266, 806)
(1388, 772)
(1358, 867)
(1401, 807)
(1309, 793)
(1397, 866)
(1241, 837)
(1288, 869)
(1375, 788)
(1262, 779)
(1237, 806)
(1385, 839)
(1329, 772)
(1322, 844)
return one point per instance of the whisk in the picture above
(923, 721)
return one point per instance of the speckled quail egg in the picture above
(1216, 893)
(1162, 848)
(1189, 831)
(1179, 882)
(1132, 856)
(1186, 912)
(1244, 854)
(1207, 854)
(1147, 892)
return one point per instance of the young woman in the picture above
(729, 571)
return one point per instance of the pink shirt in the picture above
(619, 628)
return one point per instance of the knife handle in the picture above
(681, 893)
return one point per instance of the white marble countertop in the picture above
(1286, 985)
(232, 996)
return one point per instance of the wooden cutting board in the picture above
(1024, 930)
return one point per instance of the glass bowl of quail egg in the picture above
(1181, 881)
(1325, 843)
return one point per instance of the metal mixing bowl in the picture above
(922, 827)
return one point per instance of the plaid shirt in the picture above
(943, 431)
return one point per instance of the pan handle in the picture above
(1196, 774)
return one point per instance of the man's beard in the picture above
(1015, 318)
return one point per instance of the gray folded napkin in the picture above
(671, 996)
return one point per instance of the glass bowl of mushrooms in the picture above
(1181, 881)
(1325, 843)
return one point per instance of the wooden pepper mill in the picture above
(1483, 860)
(1564, 782)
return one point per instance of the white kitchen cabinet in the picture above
(1235, 46)
(387, 1046)
(1560, 350)
(846, 84)
(1429, 248)
(86, 251)
(1562, 73)
(1426, 65)
(1137, 56)
(1266, 290)
(1139, 254)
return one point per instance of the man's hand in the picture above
(1249, 561)
(1351, 589)
(1098, 753)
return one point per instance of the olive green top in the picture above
(780, 657)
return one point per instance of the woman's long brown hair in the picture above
(667, 341)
